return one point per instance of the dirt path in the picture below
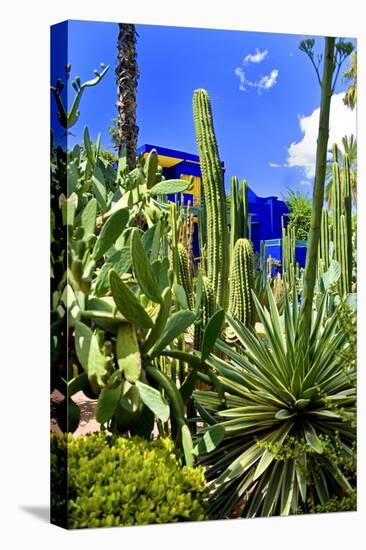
(87, 407)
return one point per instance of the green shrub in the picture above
(119, 481)
(58, 480)
(299, 217)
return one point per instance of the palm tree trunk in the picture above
(127, 75)
(318, 192)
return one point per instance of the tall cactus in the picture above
(184, 274)
(206, 310)
(342, 222)
(238, 212)
(214, 195)
(347, 204)
(324, 239)
(288, 255)
(241, 283)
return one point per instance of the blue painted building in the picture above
(266, 213)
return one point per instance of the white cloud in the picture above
(257, 57)
(275, 165)
(241, 75)
(266, 82)
(305, 182)
(342, 122)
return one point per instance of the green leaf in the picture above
(72, 176)
(68, 208)
(177, 324)
(111, 230)
(284, 414)
(90, 357)
(99, 188)
(151, 167)
(107, 403)
(263, 464)
(128, 352)
(131, 400)
(211, 333)
(160, 322)
(181, 297)
(148, 238)
(168, 187)
(127, 303)
(302, 403)
(210, 440)
(120, 262)
(88, 147)
(187, 445)
(154, 401)
(332, 275)
(88, 218)
(312, 438)
(155, 247)
(77, 384)
(161, 272)
(188, 385)
(143, 270)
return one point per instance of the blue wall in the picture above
(266, 212)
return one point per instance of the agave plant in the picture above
(280, 434)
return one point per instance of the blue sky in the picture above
(255, 126)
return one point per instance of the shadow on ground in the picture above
(40, 512)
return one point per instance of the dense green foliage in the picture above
(141, 327)
(280, 389)
(299, 206)
(119, 481)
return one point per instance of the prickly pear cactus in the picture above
(241, 283)
(214, 196)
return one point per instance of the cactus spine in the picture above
(214, 195)
(241, 283)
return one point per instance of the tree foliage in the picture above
(300, 213)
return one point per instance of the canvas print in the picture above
(203, 274)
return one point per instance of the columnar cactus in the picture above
(324, 239)
(241, 283)
(184, 275)
(238, 212)
(347, 204)
(288, 255)
(214, 195)
(342, 222)
(207, 309)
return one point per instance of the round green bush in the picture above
(119, 481)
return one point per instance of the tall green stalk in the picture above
(318, 193)
(215, 200)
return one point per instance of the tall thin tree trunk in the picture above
(318, 192)
(126, 76)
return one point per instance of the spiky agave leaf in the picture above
(289, 404)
